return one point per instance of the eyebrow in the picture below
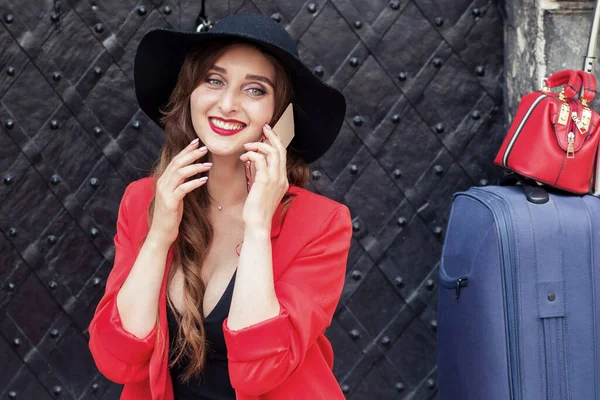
(248, 76)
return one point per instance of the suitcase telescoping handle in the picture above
(590, 58)
(588, 66)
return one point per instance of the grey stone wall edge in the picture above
(541, 37)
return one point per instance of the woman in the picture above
(219, 291)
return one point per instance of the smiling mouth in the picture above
(225, 128)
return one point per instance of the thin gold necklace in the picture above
(220, 206)
(237, 248)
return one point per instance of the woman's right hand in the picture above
(171, 188)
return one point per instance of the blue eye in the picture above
(257, 91)
(213, 81)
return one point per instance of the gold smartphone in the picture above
(284, 128)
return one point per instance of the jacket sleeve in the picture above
(263, 355)
(119, 355)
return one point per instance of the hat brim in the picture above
(319, 109)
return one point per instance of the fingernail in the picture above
(207, 164)
(203, 179)
(268, 126)
(195, 141)
(203, 148)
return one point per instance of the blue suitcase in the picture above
(519, 298)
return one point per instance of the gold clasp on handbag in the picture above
(565, 110)
(545, 87)
(583, 124)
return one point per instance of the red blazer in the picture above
(285, 357)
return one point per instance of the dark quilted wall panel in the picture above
(423, 81)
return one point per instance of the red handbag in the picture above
(554, 137)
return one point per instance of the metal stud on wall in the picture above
(423, 121)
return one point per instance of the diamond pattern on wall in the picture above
(423, 85)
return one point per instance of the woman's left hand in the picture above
(270, 180)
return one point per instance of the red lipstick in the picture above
(225, 132)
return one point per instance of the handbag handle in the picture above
(571, 80)
(589, 87)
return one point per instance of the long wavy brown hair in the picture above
(196, 231)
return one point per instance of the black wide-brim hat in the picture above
(319, 109)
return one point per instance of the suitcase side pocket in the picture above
(472, 337)
(456, 267)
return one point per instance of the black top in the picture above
(214, 383)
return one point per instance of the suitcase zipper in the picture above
(453, 284)
(459, 284)
(509, 286)
(506, 252)
(520, 128)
